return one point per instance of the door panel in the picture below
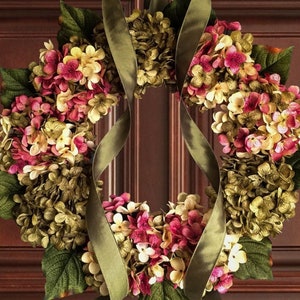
(154, 164)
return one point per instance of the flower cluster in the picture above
(56, 125)
(217, 63)
(258, 114)
(259, 196)
(47, 141)
(159, 247)
(76, 75)
(257, 123)
(52, 208)
(153, 40)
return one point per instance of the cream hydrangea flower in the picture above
(61, 100)
(120, 225)
(224, 42)
(232, 254)
(177, 274)
(236, 257)
(236, 103)
(145, 252)
(89, 63)
(100, 106)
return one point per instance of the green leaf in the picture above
(294, 161)
(63, 272)
(6, 206)
(258, 259)
(212, 18)
(15, 83)
(9, 185)
(164, 290)
(273, 60)
(76, 22)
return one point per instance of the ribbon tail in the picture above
(206, 253)
(193, 25)
(199, 148)
(211, 242)
(105, 248)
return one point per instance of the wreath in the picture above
(50, 164)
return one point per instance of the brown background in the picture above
(154, 165)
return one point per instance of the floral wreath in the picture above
(48, 153)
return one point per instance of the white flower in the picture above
(120, 225)
(131, 207)
(145, 252)
(236, 257)
(230, 240)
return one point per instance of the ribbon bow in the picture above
(104, 244)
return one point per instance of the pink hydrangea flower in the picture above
(139, 283)
(221, 279)
(80, 143)
(251, 102)
(240, 139)
(21, 103)
(224, 284)
(264, 103)
(223, 140)
(234, 59)
(284, 148)
(69, 71)
(116, 201)
(139, 227)
(254, 142)
(51, 60)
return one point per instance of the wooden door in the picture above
(154, 165)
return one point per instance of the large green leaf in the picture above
(76, 22)
(258, 259)
(15, 83)
(63, 272)
(9, 186)
(164, 290)
(273, 60)
(294, 161)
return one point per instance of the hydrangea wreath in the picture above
(47, 144)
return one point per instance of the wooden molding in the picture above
(223, 4)
(50, 4)
(20, 269)
(22, 18)
(273, 8)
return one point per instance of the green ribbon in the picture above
(100, 234)
(101, 237)
(210, 244)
